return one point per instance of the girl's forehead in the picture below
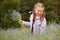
(37, 8)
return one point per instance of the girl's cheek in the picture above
(41, 13)
(35, 11)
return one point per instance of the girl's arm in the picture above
(43, 27)
(27, 24)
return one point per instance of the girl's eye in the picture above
(40, 11)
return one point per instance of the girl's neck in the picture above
(41, 17)
(38, 15)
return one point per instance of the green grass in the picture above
(24, 34)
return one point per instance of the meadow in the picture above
(52, 33)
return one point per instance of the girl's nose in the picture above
(38, 11)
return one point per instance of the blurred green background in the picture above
(52, 10)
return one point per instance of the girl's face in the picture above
(38, 11)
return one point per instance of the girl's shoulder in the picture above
(44, 18)
(44, 21)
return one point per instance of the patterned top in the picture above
(38, 27)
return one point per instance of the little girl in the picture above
(37, 22)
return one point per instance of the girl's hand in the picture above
(20, 21)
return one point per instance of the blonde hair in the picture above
(39, 4)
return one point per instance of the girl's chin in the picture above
(38, 15)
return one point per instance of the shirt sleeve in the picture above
(27, 24)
